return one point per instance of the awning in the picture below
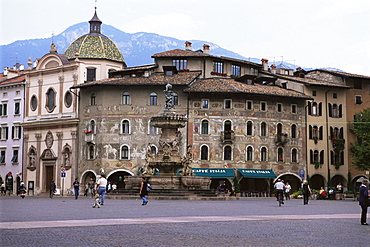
(214, 172)
(257, 173)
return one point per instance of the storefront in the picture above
(256, 182)
(221, 178)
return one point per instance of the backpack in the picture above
(148, 187)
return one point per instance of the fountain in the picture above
(167, 169)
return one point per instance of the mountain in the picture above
(136, 48)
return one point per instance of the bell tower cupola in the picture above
(95, 24)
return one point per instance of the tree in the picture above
(360, 149)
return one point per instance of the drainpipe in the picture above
(327, 135)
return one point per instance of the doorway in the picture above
(49, 176)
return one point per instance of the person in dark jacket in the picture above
(144, 191)
(306, 190)
(52, 188)
(364, 200)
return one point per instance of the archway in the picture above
(118, 177)
(254, 185)
(336, 179)
(356, 182)
(294, 181)
(224, 182)
(86, 177)
(317, 181)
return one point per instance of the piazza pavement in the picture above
(64, 221)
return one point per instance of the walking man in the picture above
(101, 187)
(76, 187)
(144, 191)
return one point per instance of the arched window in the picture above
(91, 150)
(204, 127)
(92, 99)
(335, 110)
(263, 129)
(294, 155)
(68, 99)
(92, 126)
(249, 128)
(316, 157)
(204, 152)
(249, 153)
(124, 152)
(50, 99)
(126, 99)
(314, 109)
(279, 131)
(125, 127)
(280, 155)
(315, 132)
(152, 130)
(227, 153)
(263, 154)
(227, 125)
(153, 99)
(293, 131)
(153, 149)
(33, 102)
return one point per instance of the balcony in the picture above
(227, 136)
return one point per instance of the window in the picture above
(358, 99)
(2, 156)
(124, 152)
(314, 109)
(68, 99)
(152, 130)
(263, 129)
(17, 106)
(254, 71)
(205, 103)
(249, 105)
(249, 128)
(126, 100)
(16, 132)
(227, 103)
(204, 152)
(263, 154)
(91, 74)
(92, 126)
(335, 95)
(294, 108)
(204, 127)
(125, 127)
(227, 125)
(263, 106)
(92, 99)
(218, 67)
(15, 156)
(293, 131)
(153, 149)
(4, 133)
(180, 63)
(284, 85)
(33, 103)
(335, 111)
(175, 99)
(3, 109)
(91, 151)
(153, 99)
(227, 153)
(235, 70)
(249, 153)
(280, 155)
(279, 107)
(50, 99)
(313, 93)
(294, 155)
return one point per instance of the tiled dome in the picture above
(94, 45)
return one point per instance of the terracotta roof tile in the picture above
(226, 85)
(342, 74)
(5, 81)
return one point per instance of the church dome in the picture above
(94, 45)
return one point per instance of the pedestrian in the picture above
(101, 187)
(279, 186)
(76, 187)
(86, 189)
(144, 191)
(109, 187)
(52, 188)
(306, 192)
(339, 188)
(92, 187)
(114, 187)
(287, 191)
(96, 201)
(3, 189)
(364, 200)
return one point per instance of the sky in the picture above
(309, 33)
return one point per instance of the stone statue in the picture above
(169, 97)
(186, 161)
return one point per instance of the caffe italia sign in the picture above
(214, 172)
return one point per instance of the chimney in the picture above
(29, 63)
(273, 68)
(265, 64)
(188, 46)
(6, 71)
(206, 49)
